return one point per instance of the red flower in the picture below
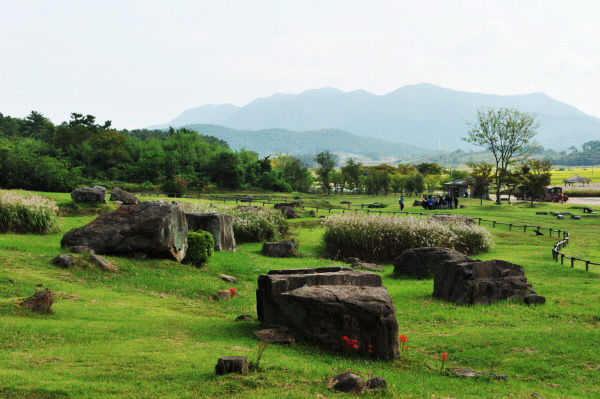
(444, 356)
(406, 347)
(403, 338)
(370, 346)
(344, 338)
(232, 290)
(355, 346)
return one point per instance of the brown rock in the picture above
(126, 198)
(275, 336)
(40, 302)
(63, 260)
(102, 263)
(229, 279)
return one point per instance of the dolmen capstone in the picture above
(89, 194)
(157, 229)
(219, 225)
(481, 282)
(125, 197)
(320, 306)
(294, 204)
(423, 262)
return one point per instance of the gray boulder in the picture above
(219, 225)
(281, 249)
(87, 194)
(423, 262)
(157, 229)
(320, 306)
(348, 382)
(125, 197)
(63, 260)
(231, 364)
(480, 282)
(288, 212)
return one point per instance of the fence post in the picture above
(524, 228)
(550, 230)
(562, 258)
(510, 227)
(494, 224)
(587, 265)
(572, 262)
(480, 221)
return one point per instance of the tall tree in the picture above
(508, 134)
(351, 172)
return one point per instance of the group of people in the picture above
(432, 202)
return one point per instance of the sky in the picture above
(140, 63)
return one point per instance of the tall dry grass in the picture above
(383, 238)
(27, 213)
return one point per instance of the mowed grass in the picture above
(152, 330)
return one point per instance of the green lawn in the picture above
(152, 330)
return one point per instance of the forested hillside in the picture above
(38, 155)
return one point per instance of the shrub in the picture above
(26, 213)
(383, 238)
(258, 225)
(201, 247)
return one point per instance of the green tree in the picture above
(508, 134)
(481, 177)
(351, 172)
(326, 162)
(536, 175)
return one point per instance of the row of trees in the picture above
(35, 154)
(405, 179)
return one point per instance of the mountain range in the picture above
(267, 142)
(421, 115)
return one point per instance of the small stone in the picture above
(243, 317)
(12, 281)
(348, 382)
(63, 260)
(229, 279)
(275, 336)
(463, 206)
(226, 294)
(541, 213)
(231, 364)
(576, 217)
(534, 300)
(40, 302)
(312, 214)
(560, 217)
(39, 285)
(103, 263)
(376, 383)
(466, 373)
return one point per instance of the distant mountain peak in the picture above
(414, 114)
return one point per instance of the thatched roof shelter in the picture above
(577, 179)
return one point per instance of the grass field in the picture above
(559, 175)
(152, 331)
